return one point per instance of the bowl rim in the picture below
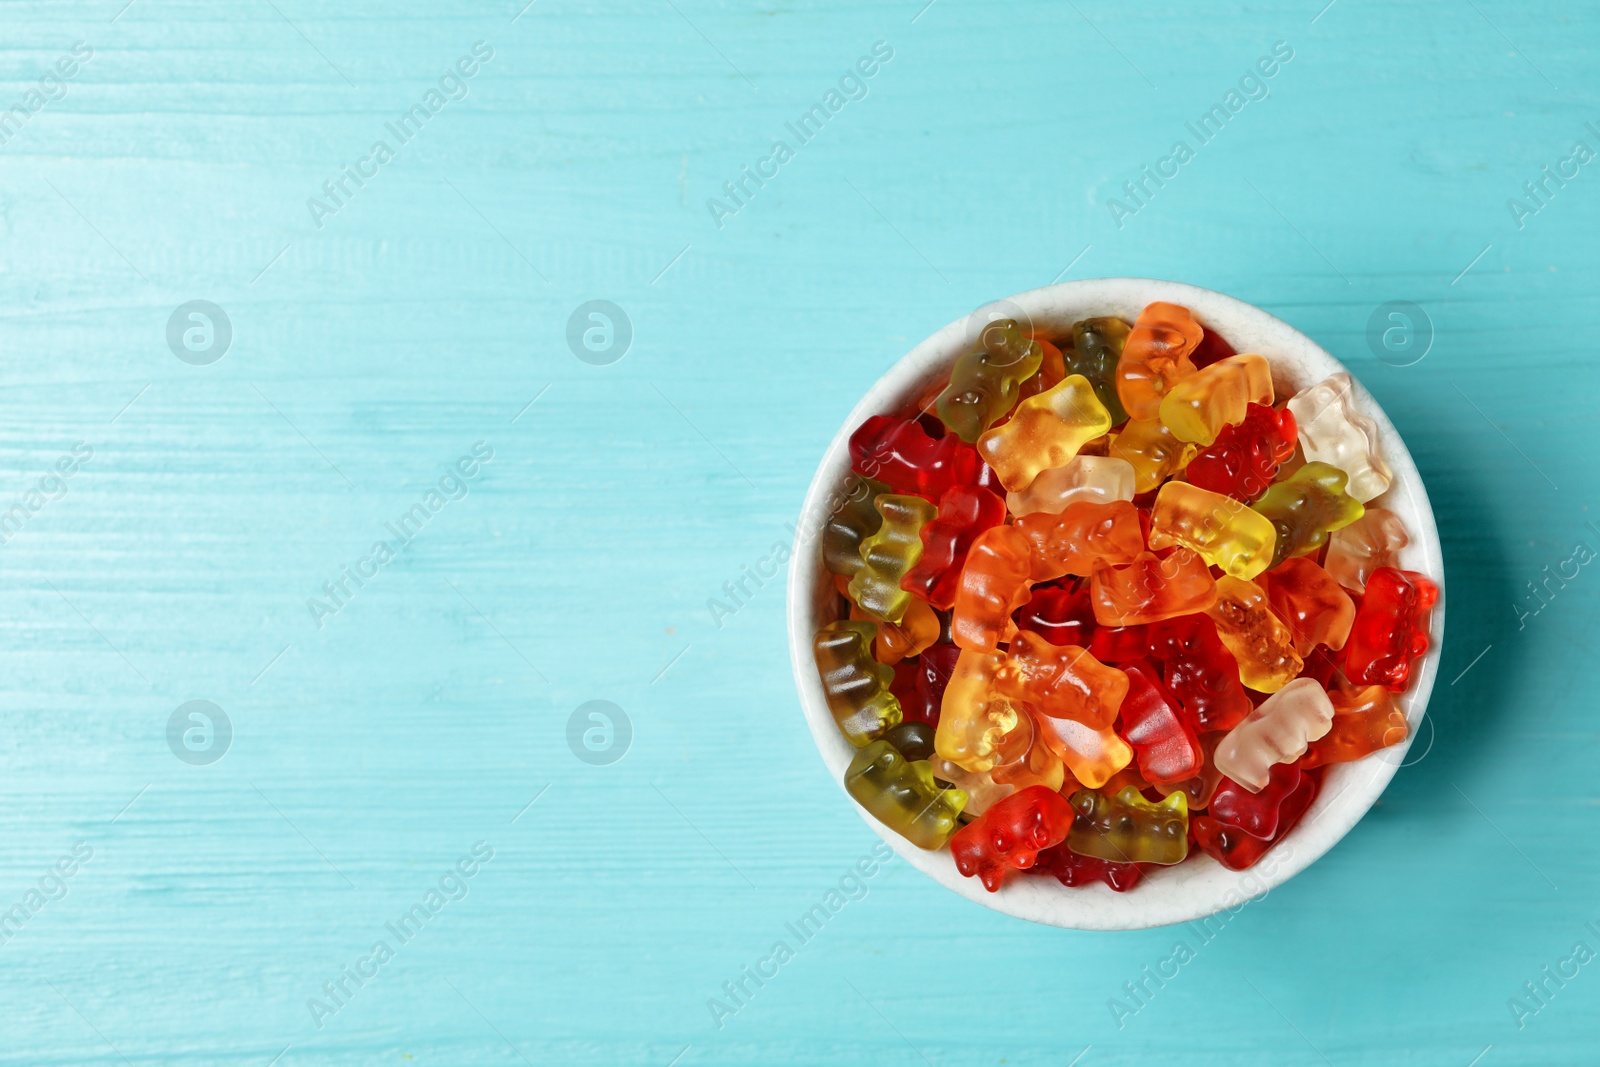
(1200, 886)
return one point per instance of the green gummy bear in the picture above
(855, 684)
(901, 794)
(889, 553)
(851, 522)
(1306, 507)
(1127, 828)
(1096, 349)
(984, 385)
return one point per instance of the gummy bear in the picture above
(1276, 732)
(1363, 722)
(1390, 629)
(1310, 602)
(1237, 850)
(1332, 431)
(974, 719)
(1155, 357)
(1372, 541)
(1307, 506)
(1153, 451)
(1243, 460)
(1201, 673)
(1091, 479)
(856, 685)
(1073, 870)
(984, 385)
(1151, 588)
(1096, 350)
(1223, 531)
(1199, 789)
(1258, 639)
(900, 794)
(851, 521)
(994, 583)
(900, 454)
(1046, 431)
(1083, 535)
(1061, 681)
(888, 554)
(1199, 406)
(1163, 743)
(1061, 615)
(965, 511)
(1092, 756)
(1127, 828)
(1256, 813)
(1010, 835)
(1025, 759)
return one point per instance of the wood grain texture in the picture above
(371, 753)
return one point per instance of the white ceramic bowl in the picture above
(1199, 886)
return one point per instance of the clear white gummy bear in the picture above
(1372, 541)
(1332, 431)
(1096, 479)
(1279, 731)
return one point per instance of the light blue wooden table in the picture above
(385, 321)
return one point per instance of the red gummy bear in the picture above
(1237, 850)
(1073, 870)
(1391, 628)
(1011, 834)
(900, 454)
(1200, 671)
(1243, 459)
(1059, 614)
(1151, 722)
(965, 511)
(934, 668)
(1257, 814)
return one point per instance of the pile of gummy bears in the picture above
(1112, 604)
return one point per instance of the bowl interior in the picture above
(1200, 886)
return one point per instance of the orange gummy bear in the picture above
(1155, 357)
(1363, 722)
(1061, 681)
(1092, 756)
(1308, 600)
(1082, 534)
(994, 583)
(1151, 588)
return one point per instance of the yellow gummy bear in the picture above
(974, 720)
(1258, 639)
(1155, 453)
(1045, 431)
(1223, 531)
(1199, 406)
